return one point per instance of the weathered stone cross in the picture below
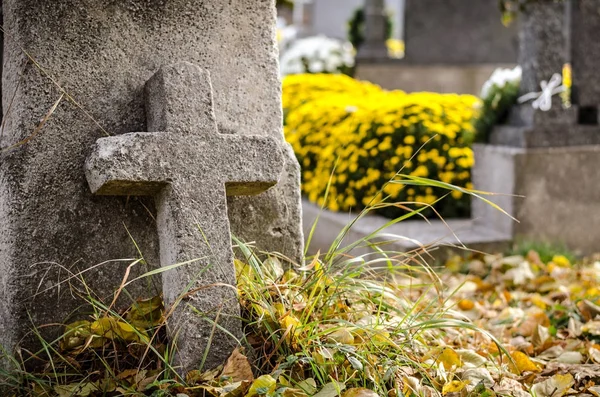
(189, 168)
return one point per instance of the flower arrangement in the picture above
(352, 137)
(498, 94)
(317, 54)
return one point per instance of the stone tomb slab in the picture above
(190, 169)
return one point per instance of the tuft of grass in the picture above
(379, 321)
(545, 250)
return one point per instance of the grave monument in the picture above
(546, 161)
(450, 46)
(81, 66)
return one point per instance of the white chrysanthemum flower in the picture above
(500, 78)
(317, 54)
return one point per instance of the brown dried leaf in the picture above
(238, 367)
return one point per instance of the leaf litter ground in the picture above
(483, 326)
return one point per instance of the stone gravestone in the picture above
(545, 43)
(457, 32)
(374, 46)
(546, 162)
(100, 54)
(190, 169)
(451, 46)
(585, 58)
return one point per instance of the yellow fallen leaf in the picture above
(449, 358)
(75, 335)
(561, 261)
(290, 324)
(524, 363)
(556, 386)
(146, 313)
(359, 392)
(341, 335)
(538, 301)
(466, 304)
(113, 329)
(262, 385)
(454, 387)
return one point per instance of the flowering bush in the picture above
(359, 136)
(317, 54)
(498, 94)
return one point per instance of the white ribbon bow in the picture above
(543, 99)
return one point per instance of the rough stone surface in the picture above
(447, 236)
(189, 168)
(526, 115)
(553, 190)
(543, 50)
(457, 32)
(457, 79)
(585, 52)
(102, 52)
(543, 43)
(545, 136)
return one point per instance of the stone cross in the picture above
(190, 169)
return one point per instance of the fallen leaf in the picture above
(262, 385)
(449, 358)
(308, 385)
(454, 387)
(470, 358)
(540, 336)
(146, 313)
(466, 304)
(588, 310)
(331, 389)
(76, 389)
(291, 392)
(510, 387)
(556, 386)
(533, 318)
(359, 392)
(341, 335)
(524, 363)
(476, 376)
(237, 367)
(570, 358)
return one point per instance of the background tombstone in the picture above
(544, 42)
(450, 46)
(585, 58)
(546, 162)
(102, 52)
(457, 31)
(374, 46)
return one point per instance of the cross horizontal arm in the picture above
(144, 163)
